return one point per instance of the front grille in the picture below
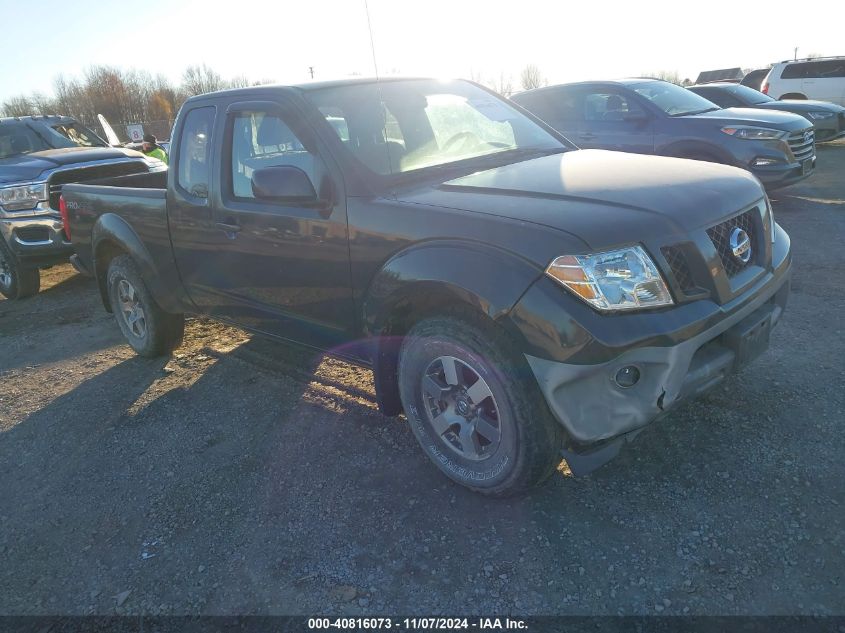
(720, 235)
(802, 144)
(87, 174)
(680, 268)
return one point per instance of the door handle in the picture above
(230, 229)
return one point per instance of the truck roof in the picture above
(37, 117)
(308, 86)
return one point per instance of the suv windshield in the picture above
(395, 127)
(749, 95)
(28, 136)
(672, 99)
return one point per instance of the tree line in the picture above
(122, 96)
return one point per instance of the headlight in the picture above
(753, 133)
(821, 115)
(771, 220)
(23, 196)
(625, 279)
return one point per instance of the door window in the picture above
(194, 152)
(261, 139)
(608, 106)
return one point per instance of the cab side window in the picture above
(194, 152)
(263, 139)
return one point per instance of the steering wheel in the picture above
(467, 139)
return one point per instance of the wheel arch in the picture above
(470, 279)
(113, 236)
(793, 95)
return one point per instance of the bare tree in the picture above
(530, 77)
(197, 80)
(671, 76)
(503, 85)
(17, 106)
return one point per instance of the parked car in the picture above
(648, 116)
(38, 155)
(821, 78)
(828, 119)
(754, 79)
(514, 296)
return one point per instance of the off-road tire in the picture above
(162, 331)
(529, 449)
(21, 281)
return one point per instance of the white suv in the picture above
(822, 78)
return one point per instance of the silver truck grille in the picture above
(802, 144)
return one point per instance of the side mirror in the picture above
(284, 184)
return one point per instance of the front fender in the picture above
(484, 277)
(428, 278)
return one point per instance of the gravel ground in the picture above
(244, 477)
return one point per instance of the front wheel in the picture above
(16, 281)
(474, 407)
(148, 329)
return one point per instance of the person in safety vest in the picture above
(150, 147)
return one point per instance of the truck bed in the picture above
(120, 205)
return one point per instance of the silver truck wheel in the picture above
(148, 329)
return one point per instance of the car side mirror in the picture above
(284, 184)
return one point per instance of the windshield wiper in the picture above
(694, 112)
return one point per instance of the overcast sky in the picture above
(444, 38)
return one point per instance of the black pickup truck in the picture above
(38, 155)
(519, 299)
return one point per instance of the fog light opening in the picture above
(628, 376)
(764, 162)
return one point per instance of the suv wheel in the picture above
(148, 329)
(474, 408)
(16, 281)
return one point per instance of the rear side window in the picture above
(261, 139)
(829, 68)
(195, 152)
(554, 105)
(794, 71)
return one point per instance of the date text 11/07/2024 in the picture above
(430, 624)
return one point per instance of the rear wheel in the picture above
(16, 281)
(474, 408)
(148, 329)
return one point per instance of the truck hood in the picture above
(777, 120)
(604, 198)
(27, 167)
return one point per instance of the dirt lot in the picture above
(241, 476)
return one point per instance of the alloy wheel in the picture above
(131, 309)
(461, 408)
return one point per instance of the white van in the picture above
(821, 78)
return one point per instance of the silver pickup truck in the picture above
(38, 155)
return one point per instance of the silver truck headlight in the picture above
(22, 197)
(753, 133)
(624, 279)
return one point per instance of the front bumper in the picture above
(36, 241)
(700, 344)
(784, 174)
